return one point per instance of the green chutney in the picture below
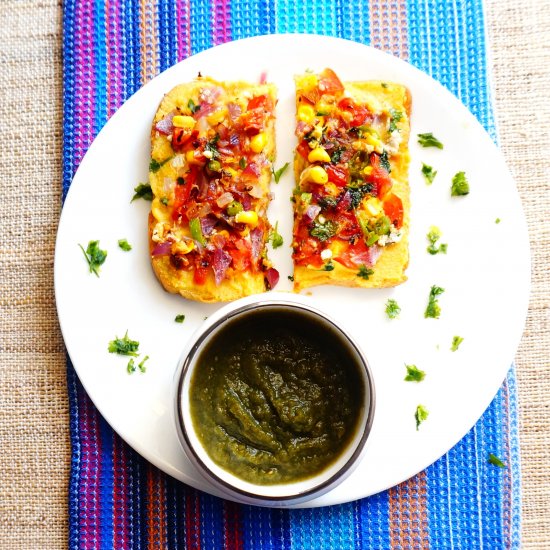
(275, 397)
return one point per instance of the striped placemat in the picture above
(117, 499)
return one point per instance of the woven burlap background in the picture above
(34, 429)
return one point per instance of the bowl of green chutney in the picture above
(274, 401)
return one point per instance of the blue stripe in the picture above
(106, 486)
(211, 513)
(201, 30)
(252, 19)
(373, 521)
(166, 24)
(100, 53)
(131, 48)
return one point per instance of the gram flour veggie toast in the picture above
(351, 202)
(212, 146)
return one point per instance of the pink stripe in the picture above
(221, 22)
(91, 473)
(183, 9)
(85, 80)
(112, 17)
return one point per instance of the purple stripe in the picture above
(184, 36)
(221, 22)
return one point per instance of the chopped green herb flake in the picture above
(457, 340)
(180, 181)
(365, 272)
(420, 415)
(433, 309)
(493, 459)
(323, 231)
(395, 116)
(384, 85)
(429, 173)
(497, 220)
(433, 236)
(124, 245)
(164, 201)
(414, 374)
(460, 185)
(141, 364)
(357, 193)
(291, 278)
(124, 346)
(192, 107)
(275, 238)
(429, 140)
(143, 191)
(131, 367)
(155, 165)
(392, 308)
(179, 318)
(385, 162)
(329, 266)
(212, 146)
(278, 173)
(94, 256)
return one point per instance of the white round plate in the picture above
(485, 273)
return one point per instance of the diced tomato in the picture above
(241, 259)
(379, 177)
(360, 115)
(348, 226)
(307, 251)
(303, 149)
(354, 255)
(181, 136)
(257, 101)
(329, 83)
(393, 208)
(200, 275)
(183, 191)
(337, 175)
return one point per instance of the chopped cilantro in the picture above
(131, 367)
(278, 173)
(392, 308)
(164, 201)
(433, 310)
(94, 256)
(141, 364)
(420, 415)
(384, 162)
(143, 191)
(291, 278)
(460, 185)
(384, 85)
(396, 116)
(192, 107)
(457, 340)
(179, 318)
(329, 266)
(365, 272)
(124, 346)
(433, 236)
(327, 202)
(493, 459)
(212, 146)
(414, 374)
(429, 140)
(155, 165)
(323, 231)
(275, 238)
(497, 220)
(124, 245)
(429, 173)
(337, 155)
(357, 193)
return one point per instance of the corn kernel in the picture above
(306, 114)
(258, 142)
(217, 116)
(248, 217)
(190, 157)
(309, 80)
(374, 141)
(183, 121)
(318, 155)
(318, 174)
(372, 206)
(368, 170)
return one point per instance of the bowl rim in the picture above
(230, 490)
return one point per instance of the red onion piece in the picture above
(369, 257)
(263, 77)
(207, 224)
(256, 191)
(272, 277)
(165, 126)
(224, 199)
(256, 241)
(220, 262)
(345, 202)
(311, 213)
(235, 111)
(161, 249)
(251, 169)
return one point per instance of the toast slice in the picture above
(351, 201)
(212, 148)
